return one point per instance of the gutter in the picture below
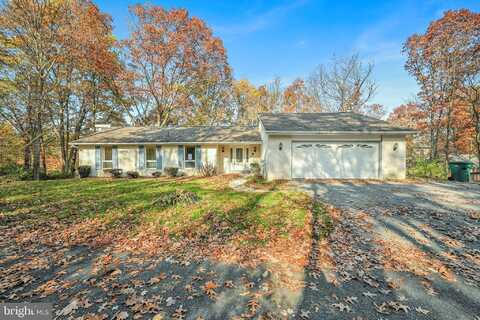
(164, 143)
(282, 132)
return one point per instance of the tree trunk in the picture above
(476, 118)
(36, 159)
(27, 157)
(447, 136)
(43, 157)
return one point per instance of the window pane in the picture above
(151, 164)
(151, 156)
(107, 153)
(189, 164)
(246, 154)
(107, 165)
(239, 154)
(189, 153)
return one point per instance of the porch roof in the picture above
(169, 135)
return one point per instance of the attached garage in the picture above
(341, 145)
(335, 160)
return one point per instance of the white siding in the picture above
(170, 156)
(86, 157)
(394, 161)
(209, 154)
(128, 158)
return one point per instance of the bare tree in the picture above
(345, 84)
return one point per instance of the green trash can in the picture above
(460, 170)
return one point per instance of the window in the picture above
(239, 155)
(151, 157)
(304, 146)
(189, 157)
(246, 155)
(107, 158)
(365, 146)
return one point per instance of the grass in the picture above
(130, 204)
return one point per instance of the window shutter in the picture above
(158, 156)
(180, 156)
(141, 157)
(115, 157)
(198, 157)
(98, 158)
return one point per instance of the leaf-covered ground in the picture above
(197, 249)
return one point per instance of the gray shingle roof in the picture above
(326, 122)
(136, 135)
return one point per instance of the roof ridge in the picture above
(103, 131)
(322, 113)
(186, 127)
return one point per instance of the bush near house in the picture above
(255, 168)
(84, 171)
(115, 173)
(425, 168)
(171, 171)
(133, 174)
(207, 170)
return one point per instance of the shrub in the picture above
(171, 171)
(25, 175)
(115, 173)
(11, 169)
(133, 174)
(255, 168)
(173, 198)
(207, 170)
(84, 171)
(424, 168)
(157, 174)
(56, 174)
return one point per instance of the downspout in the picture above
(380, 156)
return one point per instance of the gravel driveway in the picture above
(421, 240)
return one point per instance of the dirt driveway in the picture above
(425, 236)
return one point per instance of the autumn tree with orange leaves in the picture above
(444, 61)
(58, 57)
(177, 71)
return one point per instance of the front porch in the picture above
(236, 158)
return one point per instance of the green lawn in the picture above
(128, 205)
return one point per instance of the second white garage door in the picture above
(335, 160)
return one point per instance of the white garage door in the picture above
(335, 160)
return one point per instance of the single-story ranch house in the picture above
(285, 145)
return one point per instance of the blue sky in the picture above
(289, 39)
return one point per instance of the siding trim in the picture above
(159, 157)
(141, 157)
(114, 157)
(198, 157)
(98, 158)
(181, 156)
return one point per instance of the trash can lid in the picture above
(460, 162)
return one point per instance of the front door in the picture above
(236, 160)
